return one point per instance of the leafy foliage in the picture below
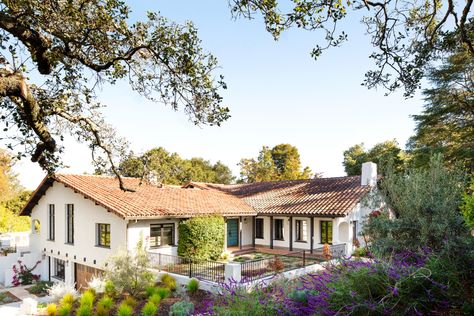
(22, 275)
(124, 310)
(149, 309)
(446, 124)
(282, 162)
(169, 282)
(193, 285)
(182, 308)
(129, 271)
(383, 154)
(51, 309)
(65, 310)
(425, 206)
(40, 287)
(467, 206)
(76, 48)
(159, 165)
(406, 35)
(201, 237)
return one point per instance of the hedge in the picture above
(201, 237)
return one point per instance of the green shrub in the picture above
(65, 309)
(149, 309)
(155, 299)
(193, 285)
(40, 287)
(360, 252)
(150, 290)
(87, 298)
(110, 289)
(181, 308)
(101, 311)
(124, 310)
(169, 282)
(129, 271)
(68, 298)
(51, 309)
(201, 237)
(84, 310)
(130, 301)
(163, 292)
(106, 302)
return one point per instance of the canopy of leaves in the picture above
(406, 35)
(383, 154)
(161, 166)
(282, 162)
(55, 55)
(425, 207)
(446, 124)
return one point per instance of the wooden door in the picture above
(232, 232)
(84, 274)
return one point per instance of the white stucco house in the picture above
(80, 220)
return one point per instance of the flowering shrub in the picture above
(24, 276)
(97, 284)
(400, 286)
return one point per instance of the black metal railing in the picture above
(199, 269)
(260, 268)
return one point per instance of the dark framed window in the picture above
(69, 223)
(51, 221)
(301, 230)
(161, 235)
(103, 235)
(278, 229)
(354, 231)
(58, 269)
(259, 228)
(326, 232)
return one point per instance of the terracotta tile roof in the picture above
(147, 200)
(322, 196)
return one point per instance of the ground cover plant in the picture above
(7, 297)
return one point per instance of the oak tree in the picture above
(56, 55)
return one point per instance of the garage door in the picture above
(84, 274)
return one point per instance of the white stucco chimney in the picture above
(369, 174)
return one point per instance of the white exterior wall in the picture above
(141, 229)
(246, 230)
(86, 215)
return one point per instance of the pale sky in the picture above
(276, 93)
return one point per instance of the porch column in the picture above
(271, 232)
(291, 233)
(240, 232)
(312, 235)
(253, 231)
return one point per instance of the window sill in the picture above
(69, 243)
(161, 247)
(259, 238)
(302, 241)
(57, 278)
(101, 246)
(49, 239)
(278, 239)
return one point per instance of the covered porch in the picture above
(283, 234)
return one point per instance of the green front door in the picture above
(232, 232)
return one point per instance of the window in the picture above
(58, 267)
(103, 235)
(279, 229)
(326, 232)
(161, 235)
(69, 223)
(301, 230)
(259, 228)
(51, 221)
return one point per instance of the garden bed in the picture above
(7, 298)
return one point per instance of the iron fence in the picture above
(260, 268)
(199, 269)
